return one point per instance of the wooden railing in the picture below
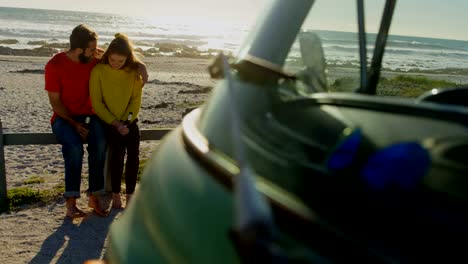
(45, 139)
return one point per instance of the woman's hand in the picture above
(143, 72)
(121, 128)
(98, 53)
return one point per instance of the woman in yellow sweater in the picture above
(116, 90)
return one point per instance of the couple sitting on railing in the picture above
(96, 98)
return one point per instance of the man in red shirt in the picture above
(74, 122)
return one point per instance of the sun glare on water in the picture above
(216, 33)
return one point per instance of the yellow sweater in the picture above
(115, 93)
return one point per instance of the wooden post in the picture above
(11, 139)
(3, 190)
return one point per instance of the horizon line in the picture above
(334, 30)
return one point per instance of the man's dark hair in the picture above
(81, 36)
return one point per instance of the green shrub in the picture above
(28, 196)
(399, 86)
(410, 86)
(34, 180)
(25, 195)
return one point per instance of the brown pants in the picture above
(118, 146)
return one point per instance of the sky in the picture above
(428, 18)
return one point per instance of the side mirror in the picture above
(454, 96)
(313, 57)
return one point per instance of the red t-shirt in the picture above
(71, 80)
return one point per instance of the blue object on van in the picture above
(401, 165)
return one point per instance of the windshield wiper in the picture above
(380, 42)
(362, 42)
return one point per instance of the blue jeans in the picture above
(72, 150)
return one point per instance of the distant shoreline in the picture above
(335, 72)
(160, 49)
(183, 51)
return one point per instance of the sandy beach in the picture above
(39, 234)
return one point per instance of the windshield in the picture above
(416, 60)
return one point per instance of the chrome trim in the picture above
(266, 64)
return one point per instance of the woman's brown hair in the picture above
(121, 45)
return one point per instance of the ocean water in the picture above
(27, 25)
(401, 52)
(341, 48)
